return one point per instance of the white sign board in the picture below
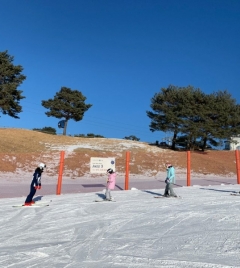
(101, 164)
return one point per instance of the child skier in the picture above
(110, 184)
(35, 185)
(169, 181)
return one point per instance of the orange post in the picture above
(127, 170)
(237, 166)
(59, 185)
(188, 168)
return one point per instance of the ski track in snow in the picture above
(200, 230)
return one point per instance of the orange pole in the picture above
(188, 168)
(237, 166)
(127, 170)
(59, 185)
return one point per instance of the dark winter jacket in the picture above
(36, 181)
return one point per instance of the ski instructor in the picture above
(35, 184)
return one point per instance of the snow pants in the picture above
(31, 194)
(168, 189)
(108, 194)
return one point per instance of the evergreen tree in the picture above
(132, 138)
(222, 118)
(195, 117)
(195, 102)
(47, 130)
(67, 104)
(171, 108)
(10, 79)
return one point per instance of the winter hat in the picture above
(42, 166)
(110, 171)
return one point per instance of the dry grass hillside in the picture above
(21, 150)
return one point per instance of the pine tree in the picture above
(67, 104)
(195, 117)
(171, 109)
(10, 79)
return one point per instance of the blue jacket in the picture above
(36, 181)
(171, 174)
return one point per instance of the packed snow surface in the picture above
(201, 229)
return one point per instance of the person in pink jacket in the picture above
(110, 184)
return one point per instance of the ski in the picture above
(42, 202)
(235, 194)
(167, 196)
(33, 205)
(102, 200)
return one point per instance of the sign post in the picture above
(127, 171)
(100, 165)
(188, 168)
(237, 166)
(59, 185)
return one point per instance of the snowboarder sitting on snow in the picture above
(169, 181)
(36, 184)
(110, 184)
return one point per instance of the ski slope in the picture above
(200, 230)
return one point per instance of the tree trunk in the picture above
(65, 128)
(174, 141)
(204, 144)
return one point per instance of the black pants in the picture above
(31, 194)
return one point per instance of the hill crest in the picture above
(22, 149)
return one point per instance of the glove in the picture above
(167, 181)
(36, 187)
(39, 187)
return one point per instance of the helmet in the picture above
(110, 171)
(42, 166)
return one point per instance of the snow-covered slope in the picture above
(200, 230)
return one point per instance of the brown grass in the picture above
(22, 149)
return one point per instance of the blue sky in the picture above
(118, 54)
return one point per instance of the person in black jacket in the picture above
(35, 184)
